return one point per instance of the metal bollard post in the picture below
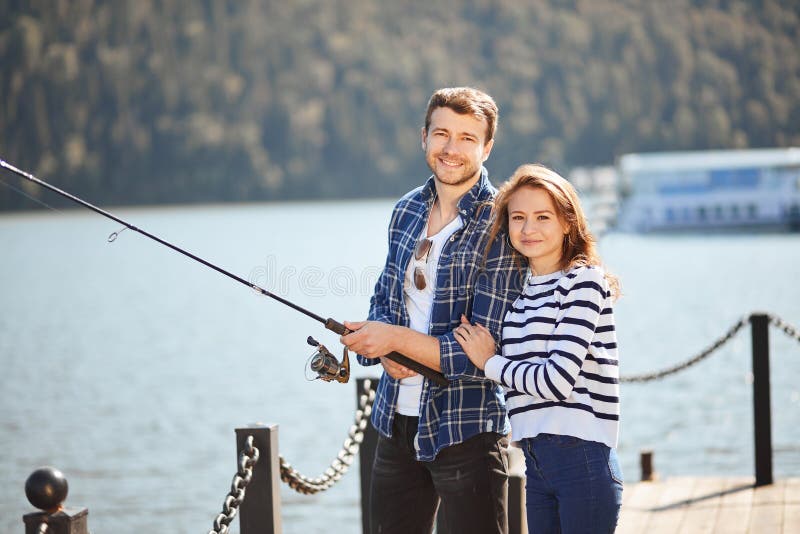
(366, 456)
(46, 489)
(646, 464)
(762, 415)
(260, 512)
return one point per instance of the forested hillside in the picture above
(130, 102)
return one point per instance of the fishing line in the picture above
(329, 323)
(29, 197)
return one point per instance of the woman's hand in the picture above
(477, 342)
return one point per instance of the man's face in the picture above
(455, 146)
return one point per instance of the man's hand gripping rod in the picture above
(405, 361)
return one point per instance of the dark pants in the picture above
(470, 478)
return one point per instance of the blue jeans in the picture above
(572, 485)
(470, 479)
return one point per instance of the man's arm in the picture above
(373, 339)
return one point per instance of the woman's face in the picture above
(535, 228)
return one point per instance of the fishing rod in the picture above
(322, 362)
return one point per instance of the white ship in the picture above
(714, 190)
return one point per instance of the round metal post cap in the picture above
(46, 488)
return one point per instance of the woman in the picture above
(559, 357)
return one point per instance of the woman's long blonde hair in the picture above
(579, 246)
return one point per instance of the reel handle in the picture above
(427, 372)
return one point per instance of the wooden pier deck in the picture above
(691, 505)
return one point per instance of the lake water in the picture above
(129, 366)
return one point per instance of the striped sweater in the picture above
(559, 364)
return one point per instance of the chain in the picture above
(343, 460)
(247, 459)
(688, 363)
(788, 329)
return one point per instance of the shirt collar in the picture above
(477, 194)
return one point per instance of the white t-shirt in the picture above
(419, 304)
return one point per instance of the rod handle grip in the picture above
(434, 376)
(336, 327)
(427, 372)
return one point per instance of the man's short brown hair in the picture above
(465, 101)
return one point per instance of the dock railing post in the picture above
(762, 419)
(646, 465)
(66, 521)
(260, 512)
(46, 489)
(366, 456)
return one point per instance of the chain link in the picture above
(788, 329)
(230, 507)
(688, 363)
(340, 465)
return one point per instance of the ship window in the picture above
(670, 214)
(718, 212)
(735, 211)
(752, 211)
(701, 213)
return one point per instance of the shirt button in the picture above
(452, 238)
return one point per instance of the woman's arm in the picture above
(554, 378)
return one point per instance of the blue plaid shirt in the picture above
(465, 283)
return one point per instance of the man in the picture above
(436, 442)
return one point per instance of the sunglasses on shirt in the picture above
(421, 251)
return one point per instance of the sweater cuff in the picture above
(494, 368)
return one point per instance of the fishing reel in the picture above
(325, 364)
